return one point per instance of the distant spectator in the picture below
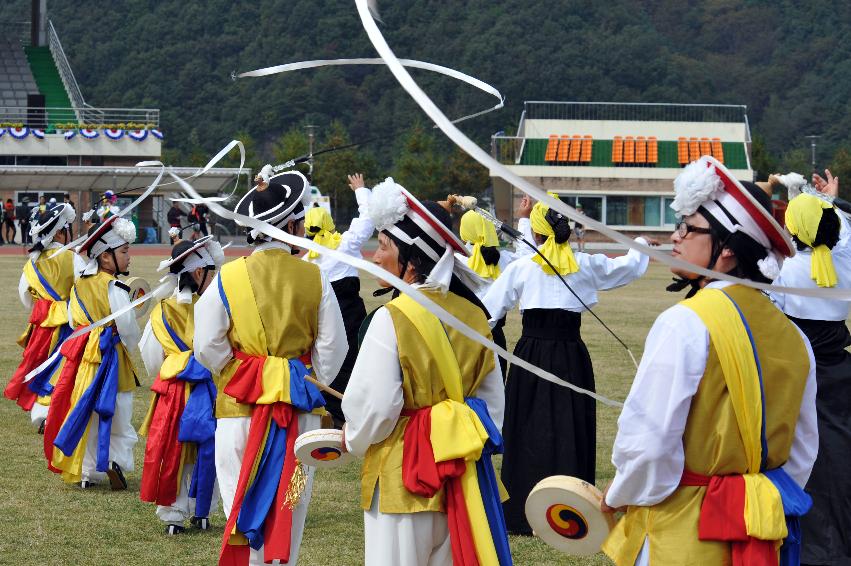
(579, 230)
(9, 220)
(173, 215)
(42, 206)
(23, 212)
(201, 213)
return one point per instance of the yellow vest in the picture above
(713, 440)
(58, 271)
(422, 386)
(274, 300)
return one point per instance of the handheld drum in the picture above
(321, 448)
(565, 513)
(138, 289)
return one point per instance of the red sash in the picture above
(35, 352)
(162, 451)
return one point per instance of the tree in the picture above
(840, 166)
(418, 167)
(797, 160)
(762, 161)
(464, 176)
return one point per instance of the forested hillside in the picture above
(788, 61)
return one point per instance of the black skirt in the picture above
(548, 430)
(353, 310)
(826, 529)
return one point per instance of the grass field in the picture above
(48, 522)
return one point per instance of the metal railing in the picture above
(39, 117)
(64, 68)
(635, 111)
(508, 150)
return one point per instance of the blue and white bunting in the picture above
(19, 133)
(138, 135)
(89, 134)
(114, 134)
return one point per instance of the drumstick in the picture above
(324, 387)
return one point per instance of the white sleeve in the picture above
(330, 348)
(503, 294)
(804, 450)
(152, 351)
(212, 322)
(24, 292)
(648, 453)
(610, 273)
(492, 392)
(361, 227)
(128, 328)
(79, 265)
(524, 226)
(373, 400)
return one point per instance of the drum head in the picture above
(565, 513)
(321, 448)
(138, 289)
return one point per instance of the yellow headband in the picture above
(479, 232)
(803, 216)
(560, 255)
(318, 217)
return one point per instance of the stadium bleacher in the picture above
(16, 78)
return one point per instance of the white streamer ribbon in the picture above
(498, 169)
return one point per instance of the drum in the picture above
(564, 512)
(321, 448)
(138, 289)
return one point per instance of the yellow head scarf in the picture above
(479, 232)
(318, 217)
(803, 216)
(560, 255)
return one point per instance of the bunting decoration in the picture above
(113, 134)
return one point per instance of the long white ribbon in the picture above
(413, 63)
(399, 284)
(498, 169)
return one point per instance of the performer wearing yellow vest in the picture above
(179, 471)
(319, 226)
(424, 404)
(263, 321)
(88, 432)
(718, 434)
(44, 289)
(822, 235)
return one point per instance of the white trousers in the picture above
(405, 539)
(121, 440)
(38, 414)
(184, 506)
(231, 437)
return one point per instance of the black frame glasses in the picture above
(683, 229)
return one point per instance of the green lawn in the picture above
(48, 522)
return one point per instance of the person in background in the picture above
(173, 216)
(22, 212)
(579, 230)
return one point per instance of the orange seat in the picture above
(617, 150)
(552, 147)
(705, 147)
(652, 150)
(575, 149)
(587, 146)
(693, 149)
(682, 151)
(629, 150)
(717, 149)
(640, 150)
(563, 148)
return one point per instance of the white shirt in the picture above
(648, 453)
(505, 258)
(525, 281)
(374, 401)
(152, 351)
(24, 286)
(796, 273)
(212, 322)
(351, 242)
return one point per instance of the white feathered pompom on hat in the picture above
(125, 229)
(387, 204)
(793, 182)
(695, 185)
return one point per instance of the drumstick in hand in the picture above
(324, 387)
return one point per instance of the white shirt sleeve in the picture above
(128, 328)
(648, 453)
(330, 348)
(524, 226)
(503, 295)
(492, 392)
(804, 450)
(24, 292)
(79, 265)
(373, 400)
(152, 351)
(610, 273)
(210, 342)
(360, 229)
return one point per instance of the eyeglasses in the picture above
(683, 228)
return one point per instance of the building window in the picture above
(625, 210)
(670, 217)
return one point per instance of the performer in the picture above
(482, 244)
(424, 404)
(268, 316)
(821, 235)
(549, 429)
(718, 434)
(88, 431)
(44, 288)
(319, 226)
(180, 469)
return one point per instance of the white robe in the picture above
(372, 405)
(648, 452)
(213, 350)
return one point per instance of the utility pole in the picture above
(311, 137)
(813, 139)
